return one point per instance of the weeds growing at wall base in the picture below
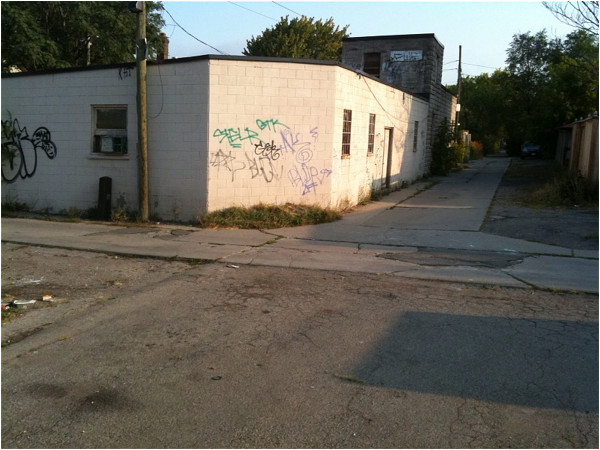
(553, 186)
(268, 216)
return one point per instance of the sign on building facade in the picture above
(406, 55)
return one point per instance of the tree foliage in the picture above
(49, 35)
(547, 83)
(299, 38)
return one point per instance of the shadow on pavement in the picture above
(531, 362)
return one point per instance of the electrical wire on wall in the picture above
(392, 119)
(162, 94)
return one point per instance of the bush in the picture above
(442, 158)
(476, 150)
(447, 154)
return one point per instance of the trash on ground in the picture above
(24, 281)
(22, 303)
(233, 266)
(47, 298)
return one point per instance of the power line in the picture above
(477, 65)
(190, 34)
(290, 10)
(251, 10)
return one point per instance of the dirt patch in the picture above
(575, 228)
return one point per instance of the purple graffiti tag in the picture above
(314, 132)
(309, 177)
(292, 142)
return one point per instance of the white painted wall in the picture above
(297, 109)
(62, 102)
(360, 173)
(177, 139)
(223, 131)
(270, 133)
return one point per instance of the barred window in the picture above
(371, 144)
(416, 136)
(346, 130)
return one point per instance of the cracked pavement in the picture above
(141, 352)
(369, 333)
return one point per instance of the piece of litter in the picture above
(46, 298)
(22, 303)
(233, 266)
(24, 281)
(216, 377)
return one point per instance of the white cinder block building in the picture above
(222, 131)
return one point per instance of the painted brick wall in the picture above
(360, 173)
(62, 102)
(223, 131)
(270, 133)
(177, 139)
(276, 132)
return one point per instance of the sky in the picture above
(483, 29)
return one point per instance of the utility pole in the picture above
(142, 111)
(457, 120)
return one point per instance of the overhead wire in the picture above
(251, 10)
(190, 34)
(290, 10)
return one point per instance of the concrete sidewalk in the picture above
(425, 231)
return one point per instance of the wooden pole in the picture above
(457, 122)
(142, 111)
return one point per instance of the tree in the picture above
(582, 15)
(574, 76)
(546, 84)
(49, 35)
(484, 108)
(299, 38)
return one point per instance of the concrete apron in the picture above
(423, 232)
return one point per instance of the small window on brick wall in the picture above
(416, 136)
(371, 145)
(372, 64)
(110, 130)
(346, 131)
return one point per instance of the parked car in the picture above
(529, 150)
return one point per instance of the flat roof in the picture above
(393, 37)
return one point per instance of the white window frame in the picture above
(108, 142)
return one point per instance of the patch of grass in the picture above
(546, 184)
(268, 216)
(13, 206)
(562, 192)
(9, 314)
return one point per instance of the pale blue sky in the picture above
(484, 29)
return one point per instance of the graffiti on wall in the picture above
(125, 72)
(20, 150)
(302, 173)
(267, 150)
